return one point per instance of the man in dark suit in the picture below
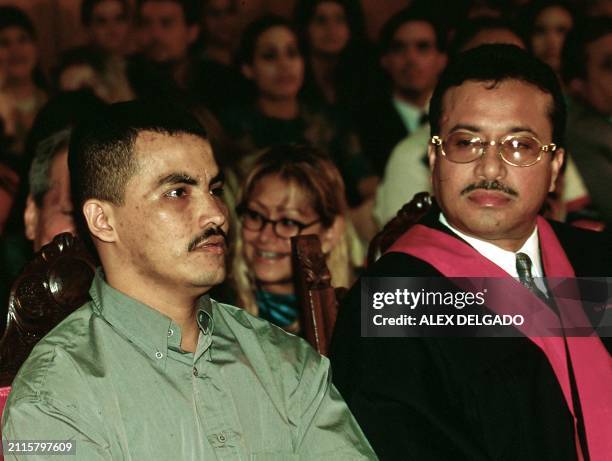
(586, 67)
(412, 55)
(497, 120)
(168, 30)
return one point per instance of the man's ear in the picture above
(576, 87)
(556, 163)
(192, 33)
(331, 236)
(431, 157)
(442, 61)
(30, 218)
(100, 219)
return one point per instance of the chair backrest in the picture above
(51, 286)
(407, 216)
(318, 300)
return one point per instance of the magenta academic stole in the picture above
(592, 365)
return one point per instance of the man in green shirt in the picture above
(152, 368)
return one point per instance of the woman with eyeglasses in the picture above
(290, 190)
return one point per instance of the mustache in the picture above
(210, 232)
(490, 185)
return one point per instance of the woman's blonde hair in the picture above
(317, 176)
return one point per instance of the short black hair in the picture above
(497, 63)
(11, 16)
(46, 151)
(192, 9)
(574, 56)
(88, 6)
(61, 111)
(251, 34)
(101, 153)
(469, 28)
(417, 12)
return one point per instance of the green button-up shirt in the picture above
(113, 378)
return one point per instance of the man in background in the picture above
(587, 71)
(168, 31)
(412, 54)
(49, 209)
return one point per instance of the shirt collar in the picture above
(409, 113)
(504, 258)
(147, 328)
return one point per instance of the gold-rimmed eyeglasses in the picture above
(515, 150)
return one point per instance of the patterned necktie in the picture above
(523, 268)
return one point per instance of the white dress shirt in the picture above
(504, 258)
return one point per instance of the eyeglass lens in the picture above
(284, 228)
(517, 150)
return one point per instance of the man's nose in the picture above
(491, 165)
(212, 211)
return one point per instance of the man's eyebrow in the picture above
(177, 178)
(219, 177)
(522, 129)
(462, 126)
(475, 129)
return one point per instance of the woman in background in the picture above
(22, 89)
(339, 58)
(271, 59)
(547, 23)
(290, 190)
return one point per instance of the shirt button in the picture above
(221, 438)
(170, 332)
(195, 372)
(159, 355)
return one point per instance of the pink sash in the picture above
(592, 365)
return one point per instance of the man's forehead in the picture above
(470, 88)
(172, 148)
(414, 28)
(164, 8)
(471, 102)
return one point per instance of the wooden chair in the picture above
(51, 286)
(318, 300)
(408, 215)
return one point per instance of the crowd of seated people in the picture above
(313, 79)
(317, 127)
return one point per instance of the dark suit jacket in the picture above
(457, 398)
(380, 128)
(589, 142)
